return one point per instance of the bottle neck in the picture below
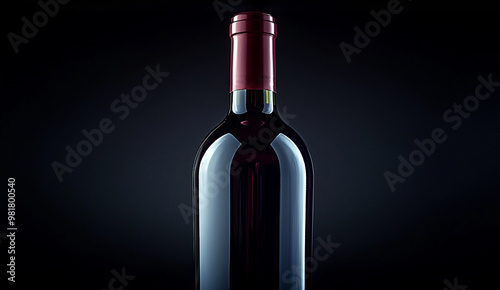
(253, 102)
(253, 64)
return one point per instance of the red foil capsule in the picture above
(252, 52)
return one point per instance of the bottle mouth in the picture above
(252, 15)
(252, 21)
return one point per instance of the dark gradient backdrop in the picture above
(119, 207)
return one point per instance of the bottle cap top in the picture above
(252, 15)
(252, 21)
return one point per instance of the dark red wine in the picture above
(252, 179)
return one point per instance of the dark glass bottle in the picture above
(252, 179)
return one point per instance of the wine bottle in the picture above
(252, 179)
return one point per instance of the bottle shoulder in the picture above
(255, 132)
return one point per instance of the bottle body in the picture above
(253, 200)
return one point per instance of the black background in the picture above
(119, 207)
